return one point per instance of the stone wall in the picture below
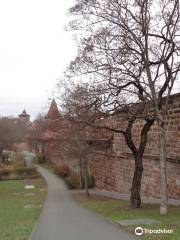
(21, 146)
(111, 161)
(114, 171)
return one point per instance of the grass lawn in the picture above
(17, 218)
(114, 210)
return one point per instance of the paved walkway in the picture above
(64, 219)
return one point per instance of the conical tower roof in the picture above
(53, 110)
(24, 114)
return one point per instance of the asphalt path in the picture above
(63, 219)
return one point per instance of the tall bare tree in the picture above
(129, 55)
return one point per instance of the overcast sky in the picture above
(34, 51)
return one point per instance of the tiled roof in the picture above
(24, 114)
(53, 110)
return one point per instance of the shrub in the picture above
(4, 171)
(72, 182)
(18, 173)
(19, 160)
(26, 171)
(91, 182)
(62, 170)
(39, 159)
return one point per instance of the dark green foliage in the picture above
(40, 159)
(72, 181)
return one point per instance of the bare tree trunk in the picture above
(43, 152)
(81, 174)
(163, 168)
(138, 157)
(136, 184)
(86, 178)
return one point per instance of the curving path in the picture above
(64, 219)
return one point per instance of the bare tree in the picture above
(76, 142)
(11, 131)
(36, 136)
(129, 56)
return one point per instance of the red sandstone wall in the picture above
(113, 169)
(116, 173)
(22, 146)
(172, 134)
(55, 154)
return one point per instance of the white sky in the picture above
(34, 51)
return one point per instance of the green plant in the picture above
(26, 171)
(39, 159)
(91, 181)
(72, 181)
(19, 160)
(62, 170)
(18, 173)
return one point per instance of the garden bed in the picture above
(11, 173)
